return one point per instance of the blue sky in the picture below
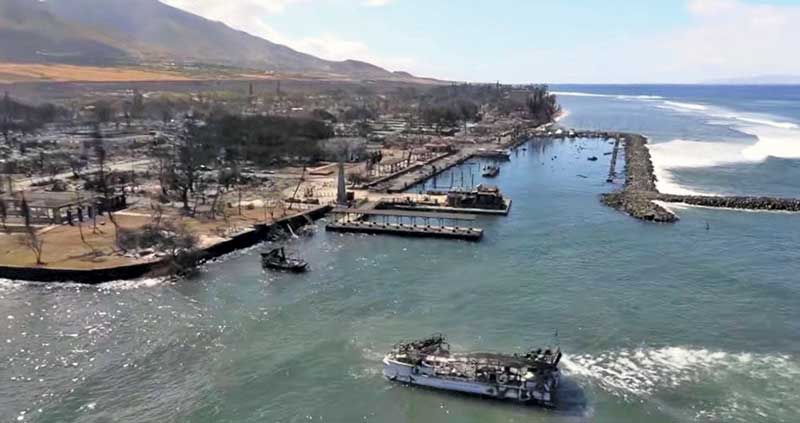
(588, 41)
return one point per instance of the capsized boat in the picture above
(276, 259)
(531, 378)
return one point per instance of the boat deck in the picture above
(422, 231)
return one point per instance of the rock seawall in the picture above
(164, 267)
(736, 202)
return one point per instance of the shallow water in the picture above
(660, 323)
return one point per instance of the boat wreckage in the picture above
(491, 171)
(277, 260)
(531, 378)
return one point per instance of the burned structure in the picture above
(58, 208)
(482, 197)
(530, 378)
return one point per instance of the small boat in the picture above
(277, 260)
(530, 378)
(491, 171)
(592, 159)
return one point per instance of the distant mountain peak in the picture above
(114, 31)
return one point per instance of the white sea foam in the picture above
(643, 372)
(681, 106)
(121, 285)
(773, 138)
(643, 97)
(766, 122)
(678, 154)
(124, 285)
(617, 96)
(578, 94)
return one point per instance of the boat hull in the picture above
(420, 376)
(285, 267)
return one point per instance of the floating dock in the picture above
(404, 223)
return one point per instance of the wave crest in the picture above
(644, 372)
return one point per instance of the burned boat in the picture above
(277, 260)
(491, 171)
(486, 197)
(531, 378)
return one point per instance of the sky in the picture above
(525, 41)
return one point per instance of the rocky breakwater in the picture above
(639, 195)
(734, 202)
(636, 197)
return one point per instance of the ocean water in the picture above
(717, 140)
(692, 322)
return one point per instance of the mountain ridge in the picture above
(112, 32)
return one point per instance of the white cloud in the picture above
(376, 3)
(252, 17)
(723, 39)
(246, 15)
(213, 7)
(331, 47)
(733, 38)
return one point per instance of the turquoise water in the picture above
(659, 323)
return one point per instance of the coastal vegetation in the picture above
(464, 103)
(263, 140)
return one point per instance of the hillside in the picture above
(30, 32)
(128, 32)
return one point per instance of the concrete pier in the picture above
(612, 171)
(419, 174)
(416, 231)
(403, 223)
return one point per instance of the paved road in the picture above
(138, 165)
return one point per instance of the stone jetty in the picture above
(735, 202)
(637, 198)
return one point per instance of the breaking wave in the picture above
(120, 285)
(773, 138)
(641, 373)
(617, 96)
(685, 154)
(579, 94)
(680, 106)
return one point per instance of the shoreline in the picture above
(163, 267)
(640, 196)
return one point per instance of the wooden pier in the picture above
(404, 223)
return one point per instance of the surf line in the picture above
(639, 196)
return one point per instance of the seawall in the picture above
(163, 267)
